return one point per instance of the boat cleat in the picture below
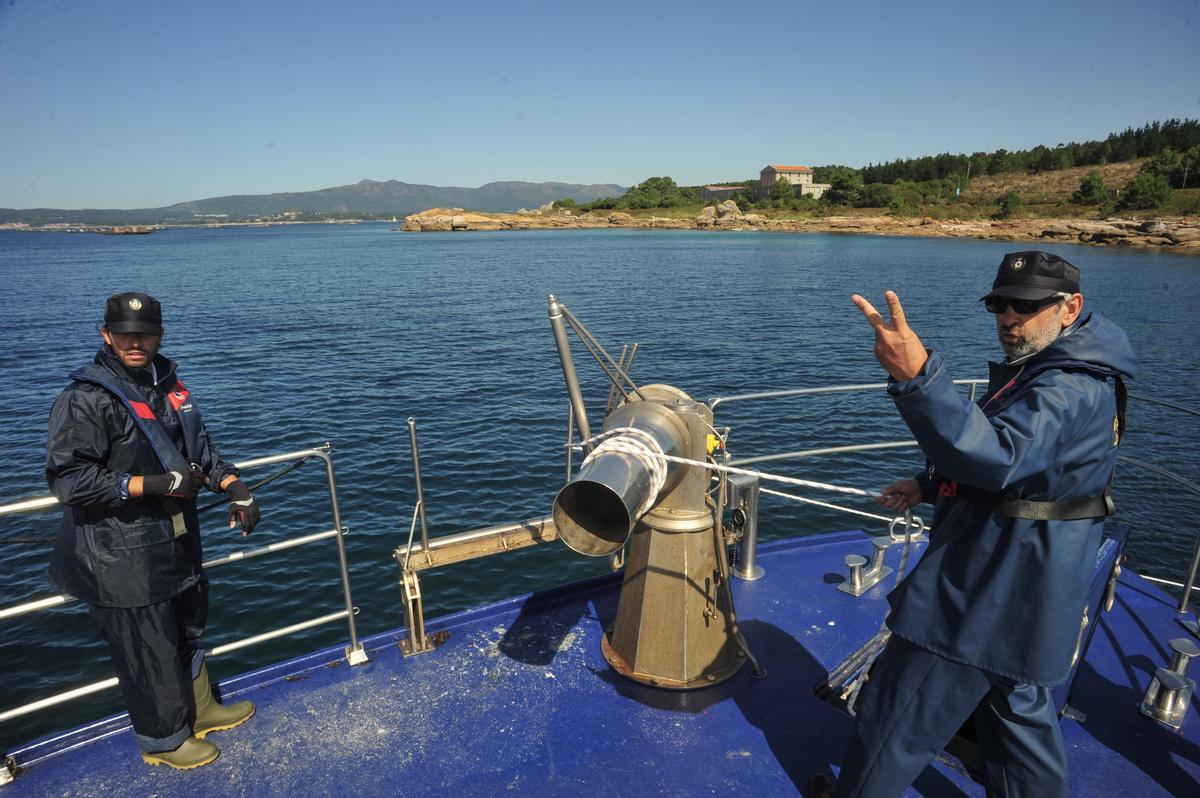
(1170, 691)
(862, 577)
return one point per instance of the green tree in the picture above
(910, 194)
(1177, 167)
(845, 184)
(1166, 163)
(1147, 190)
(1091, 191)
(781, 192)
(1191, 166)
(875, 195)
(1008, 205)
(653, 192)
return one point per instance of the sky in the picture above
(130, 104)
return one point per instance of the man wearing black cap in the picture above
(127, 455)
(987, 622)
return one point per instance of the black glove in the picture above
(243, 509)
(176, 484)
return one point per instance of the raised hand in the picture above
(897, 347)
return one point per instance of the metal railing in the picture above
(742, 462)
(1186, 586)
(425, 553)
(435, 552)
(355, 654)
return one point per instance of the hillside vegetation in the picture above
(1154, 169)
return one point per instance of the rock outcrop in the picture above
(1179, 233)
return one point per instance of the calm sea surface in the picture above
(292, 336)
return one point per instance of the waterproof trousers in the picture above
(913, 704)
(156, 655)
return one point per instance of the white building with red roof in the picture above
(801, 178)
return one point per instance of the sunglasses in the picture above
(1023, 306)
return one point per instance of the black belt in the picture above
(1073, 510)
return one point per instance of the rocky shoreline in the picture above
(1175, 233)
(137, 229)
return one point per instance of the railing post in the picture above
(355, 654)
(1191, 580)
(568, 367)
(416, 456)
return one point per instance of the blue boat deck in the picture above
(517, 698)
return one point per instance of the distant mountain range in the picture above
(367, 197)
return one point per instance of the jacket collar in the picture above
(164, 368)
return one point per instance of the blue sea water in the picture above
(292, 336)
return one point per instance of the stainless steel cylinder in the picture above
(598, 509)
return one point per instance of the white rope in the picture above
(658, 453)
(827, 505)
(640, 445)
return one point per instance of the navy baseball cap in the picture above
(1033, 275)
(133, 312)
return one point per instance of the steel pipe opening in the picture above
(595, 513)
(598, 509)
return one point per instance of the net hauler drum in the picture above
(673, 627)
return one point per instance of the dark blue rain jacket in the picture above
(114, 551)
(1007, 594)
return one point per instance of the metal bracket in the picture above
(899, 537)
(1167, 697)
(1170, 691)
(861, 580)
(1110, 590)
(1083, 625)
(1191, 626)
(414, 616)
(744, 499)
(356, 655)
(8, 770)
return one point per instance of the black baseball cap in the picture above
(133, 312)
(1033, 275)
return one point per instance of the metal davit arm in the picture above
(601, 356)
(568, 367)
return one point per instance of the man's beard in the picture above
(1028, 345)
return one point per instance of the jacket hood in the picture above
(1093, 342)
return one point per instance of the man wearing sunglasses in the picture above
(987, 622)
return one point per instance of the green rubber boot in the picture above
(192, 754)
(211, 716)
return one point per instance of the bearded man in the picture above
(986, 623)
